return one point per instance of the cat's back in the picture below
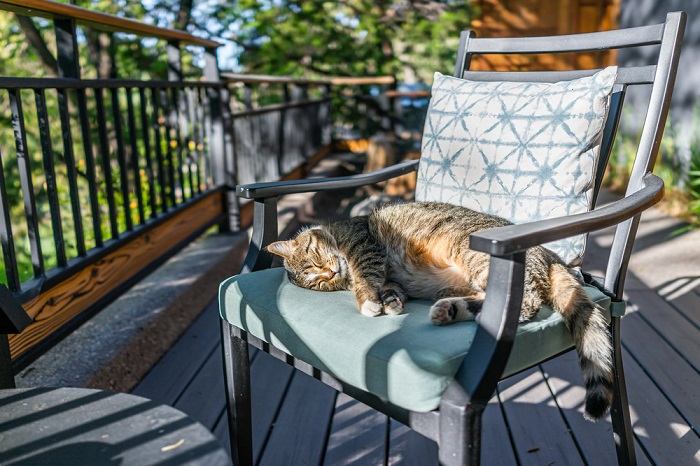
(427, 219)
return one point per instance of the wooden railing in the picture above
(102, 180)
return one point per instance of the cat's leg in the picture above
(393, 298)
(456, 305)
(532, 301)
(368, 277)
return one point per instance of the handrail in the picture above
(335, 80)
(264, 78)
(102, 21)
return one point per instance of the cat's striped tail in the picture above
(586, 322)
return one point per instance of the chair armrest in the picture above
(280, 188)
(516, 238)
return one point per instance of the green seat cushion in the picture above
(403, 359)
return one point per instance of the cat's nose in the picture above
(332, 273)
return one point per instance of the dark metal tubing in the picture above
(145, 134)
(121, 158)
(89, 166)
(175, 117)
(25, 178)
(197, 124)
(238, 408)
(8, 82)
(50, 174)
(617, 98)
(168, 147)
(6, 239)
(159, 151)
(619, 38)
(633, 75)
(71, 170)
(189, 119)
(131, 119)
(106, 162)
(281, 188)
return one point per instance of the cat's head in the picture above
(313, 261)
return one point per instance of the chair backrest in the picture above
(660, 76)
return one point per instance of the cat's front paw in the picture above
(370, 308)
(393, 305)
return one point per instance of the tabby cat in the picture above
(421, 250)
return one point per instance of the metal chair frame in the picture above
(456, 424)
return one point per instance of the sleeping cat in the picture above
(421, 250)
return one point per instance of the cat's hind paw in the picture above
(449, 310)
(370, 308)
(442, 312)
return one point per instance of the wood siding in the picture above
(513, 18)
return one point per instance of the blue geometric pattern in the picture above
(519, 150)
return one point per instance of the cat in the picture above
(421, 250)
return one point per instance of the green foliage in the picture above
(350, 38)
(679, 187)
(693, 184)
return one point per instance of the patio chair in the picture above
(445, 402)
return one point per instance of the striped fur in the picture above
(421, 250)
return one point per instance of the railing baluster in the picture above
(198, 139)
(106, 163)
(175, 121)
(25, 178)
(134, 153)
(190, 138)
(6, 239)
(71, 170)
(159, 150)
(147, 152)
(90, 167)
(206, 132)
(121, 158)
(50, 176)
(168, 147)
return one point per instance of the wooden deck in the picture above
(534, 419)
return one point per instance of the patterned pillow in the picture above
(520, 150)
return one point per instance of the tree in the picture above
(411, 39)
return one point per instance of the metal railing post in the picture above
(67, 48)
(280, 133)
(221, 144)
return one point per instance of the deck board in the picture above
(358, 434)
(408, 448)
(170, 376)
(539, 431)
(299, 433)
(595, 439)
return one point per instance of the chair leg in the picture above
(620, 412)
(460, 435)
(237, 376)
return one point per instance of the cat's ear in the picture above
(282, 248)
